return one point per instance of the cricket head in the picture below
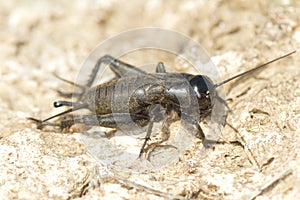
(204, 89)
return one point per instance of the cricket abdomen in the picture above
(115, 96)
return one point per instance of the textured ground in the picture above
(46, 37)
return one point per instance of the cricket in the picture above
(142, 98)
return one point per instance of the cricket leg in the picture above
(108, 120)
(160, 68)
(148, 135)
(70, 94)
(194, 122)
(165, 135)
(156, 113)
(118, 67)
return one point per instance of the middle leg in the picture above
(160, 68)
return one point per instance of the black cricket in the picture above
(137, 94)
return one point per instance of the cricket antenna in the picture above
(251, 70)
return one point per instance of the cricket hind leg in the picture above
(122, 69)
(75, 106)
(107, 120)
(68, 94)
(118, 67)
(71, 94)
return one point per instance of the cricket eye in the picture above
(200, 86)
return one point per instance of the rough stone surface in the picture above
(39, 38)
